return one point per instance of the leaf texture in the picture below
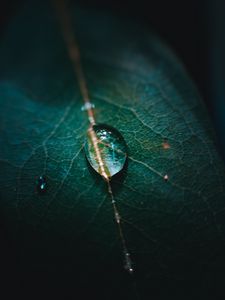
(67, 238)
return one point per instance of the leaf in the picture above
(66, 239)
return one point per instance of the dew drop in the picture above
(87, 105)
(111, 153)
(166, 177)
(117, 217)
(128, 263)
(166, 145)
(41, 184)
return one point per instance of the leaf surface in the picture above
(67, 237)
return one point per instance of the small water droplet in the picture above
(111, 153)
(128, 263)
(41, 184)
(87, 105)
(117, 217)
(166, 145)
(166, 177)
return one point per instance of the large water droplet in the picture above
(110, 155)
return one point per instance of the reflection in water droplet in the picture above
(112, 150)
(41, 184)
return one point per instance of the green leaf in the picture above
(66, 239)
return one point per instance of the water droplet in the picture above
(87, 105)
(166, 177)
(128, 263)
(117, 217)
(105, 149)
(41, 184)
(166, 145)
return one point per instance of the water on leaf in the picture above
(166, 177)
(110, 145)
(87, 105)
(128, 263)
(41, 184)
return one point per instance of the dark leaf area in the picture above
(65, 241)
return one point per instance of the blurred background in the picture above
(194, 29)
